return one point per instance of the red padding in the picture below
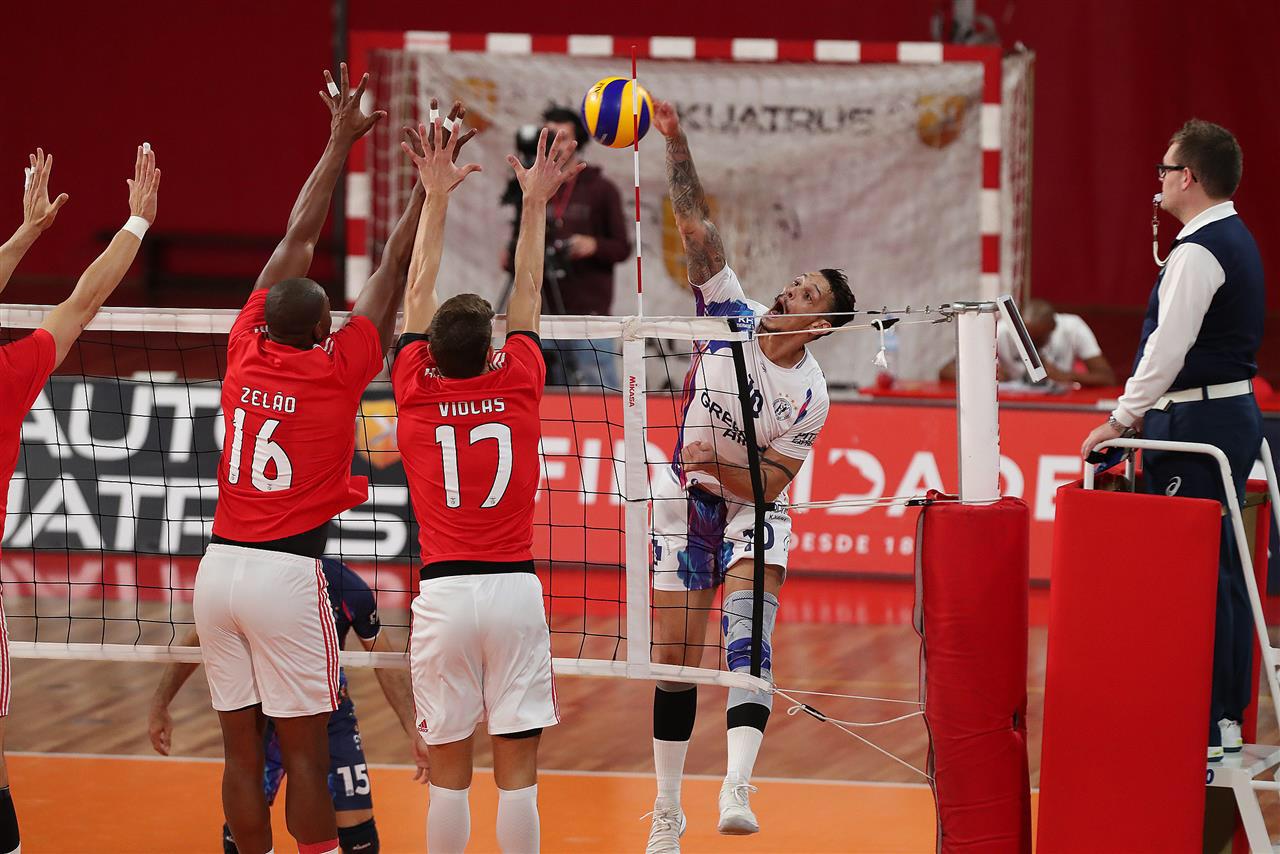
(973, 566)
(1126, 709)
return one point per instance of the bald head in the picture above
(298, 312)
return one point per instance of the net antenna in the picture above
(1026, 347)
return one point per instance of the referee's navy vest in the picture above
(1227, 346)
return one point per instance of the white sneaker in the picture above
(1232, 742)
(667, 827)
(736, 817)
(1215, 754)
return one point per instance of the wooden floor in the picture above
(74, 708)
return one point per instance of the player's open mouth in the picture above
(778, 306)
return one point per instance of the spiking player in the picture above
(26, 364)
(355, 609)
(468, 431)
(289, 401)
(703, 510)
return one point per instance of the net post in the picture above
(636, 519)
(757, 500)
(977, 408)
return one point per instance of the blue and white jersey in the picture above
(354, 605)
(789, 404)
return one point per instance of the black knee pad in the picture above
(9, 837)
(528, 733)
(361, 838)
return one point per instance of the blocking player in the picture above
(26, 364)
(468, 432)
(354, 609)
(703, 510)
(289, 402)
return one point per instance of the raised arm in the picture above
(159, 721)
(434, 152)
(292, 256)
(69, 318)
(37, 214)
(539, 183)
(703, 249)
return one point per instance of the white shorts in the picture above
(266, 632)
(698, 536)
(480, 649)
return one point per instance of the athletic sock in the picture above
(744, 746)
(674, 713)
(448, 820)
(518, 827)
(329, 846)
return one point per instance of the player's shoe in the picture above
(667, 827)
(1215, 753)
(1232, 742)
(736, 817)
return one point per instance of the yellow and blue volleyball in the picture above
(607, 112)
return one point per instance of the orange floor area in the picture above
(136, 804)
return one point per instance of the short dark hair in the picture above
(842, 301)
(461, 334)
(294, 307)
(1213, 154)
(564, 115)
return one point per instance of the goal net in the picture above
(876, 167)
(112, 501)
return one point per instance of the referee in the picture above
(1193, 380)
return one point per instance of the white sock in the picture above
(668, 765)
(744, 745)
(519, 831)
(448, 821)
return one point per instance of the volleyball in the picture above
(607, 112)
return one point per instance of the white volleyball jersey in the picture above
(790, 404)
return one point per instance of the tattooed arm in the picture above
(703, 249)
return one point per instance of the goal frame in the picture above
(359, 199)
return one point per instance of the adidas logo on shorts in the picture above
(422, 725)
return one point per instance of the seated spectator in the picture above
(1061, 339)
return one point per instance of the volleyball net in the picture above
(111, 503)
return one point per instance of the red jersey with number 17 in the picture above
(290, 418)
(470, 451)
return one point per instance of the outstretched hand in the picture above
(665, 118)
(144, 186)
(434, 151)
(37, 211)
(540, 181)
(348, 123)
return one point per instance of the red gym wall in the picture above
(224, 92)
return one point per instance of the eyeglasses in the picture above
(1164, 168)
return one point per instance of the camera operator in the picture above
(586, 236)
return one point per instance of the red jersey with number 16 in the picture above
(470, 451)
(290, 419)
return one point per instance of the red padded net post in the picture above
(971, 612)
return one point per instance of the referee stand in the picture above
(1108, 696)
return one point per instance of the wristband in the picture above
(137, 226)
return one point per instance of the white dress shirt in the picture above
(1191, 278)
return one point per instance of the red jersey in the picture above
(25, 366)
(470, 451)
(290, 420)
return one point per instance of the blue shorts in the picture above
(348, 770)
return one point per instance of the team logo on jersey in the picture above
(784, 409)
(376, 433)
